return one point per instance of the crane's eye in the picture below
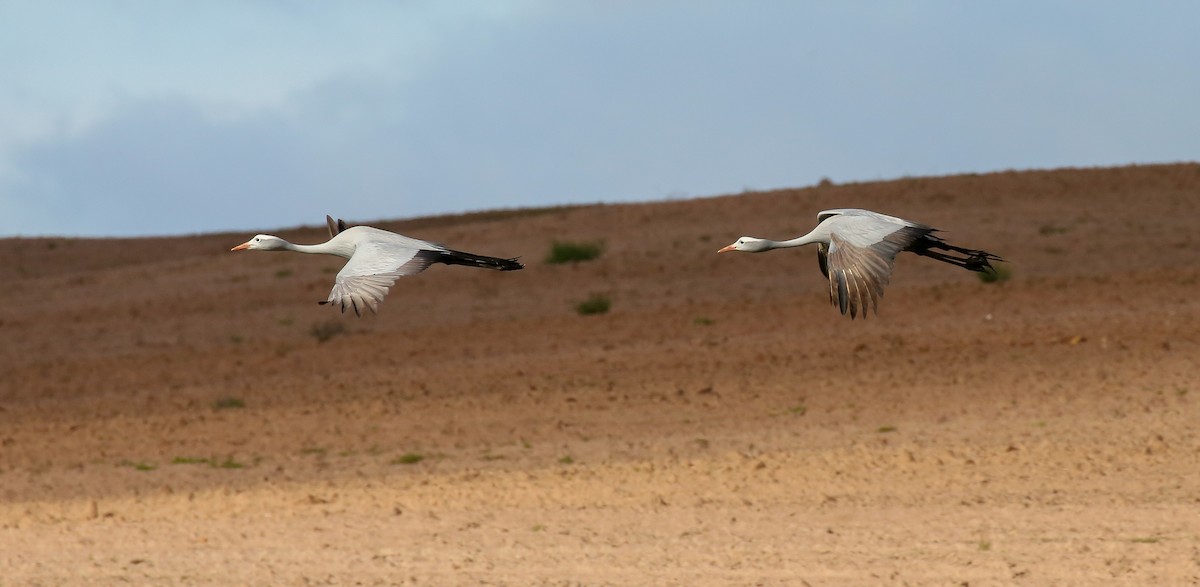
(256, 239)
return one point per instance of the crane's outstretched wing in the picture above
(374, 267)
(862, 251)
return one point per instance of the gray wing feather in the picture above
(359, 288)
(857, 275)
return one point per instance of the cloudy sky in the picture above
(150, 117)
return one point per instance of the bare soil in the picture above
(169, 416)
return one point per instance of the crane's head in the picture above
(748, 244)
(262, 242)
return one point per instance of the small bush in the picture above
(189, 461)
(1000, 273)
(323, 331)
(228, 403)
(597, 304)
(408, 458)
(573, 252)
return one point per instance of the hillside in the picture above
(168, 414)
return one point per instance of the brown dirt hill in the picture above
(169, 416)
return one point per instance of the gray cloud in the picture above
(576, 103)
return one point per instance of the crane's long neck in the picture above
(326, 248)
(799, 241)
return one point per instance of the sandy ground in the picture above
(169, 416)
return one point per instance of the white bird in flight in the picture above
(857, 250)
(376, 259)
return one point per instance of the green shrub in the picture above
(573, 252)
(597, 304)
(227, 403)
(408, 458)
(1000, 273)
(323, 331)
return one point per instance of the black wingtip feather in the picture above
(473, 260)
(974, 259)
(843, 294)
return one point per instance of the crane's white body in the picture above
(377, 258)
(857, 251)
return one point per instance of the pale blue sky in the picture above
(167, 117)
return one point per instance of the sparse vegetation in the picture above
(885, 429)
(1000, 273)
(566, 460)
(229, 403)
(139, 465)
(189, 461)
(596, 304)
(573, 252)
(797, 410)
(703, 321)
(408, 458)
(282, 273)
(323, 331)
(228, 463)
(985, 545)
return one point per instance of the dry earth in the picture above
(168, 415)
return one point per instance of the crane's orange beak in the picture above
(727, 249)
(241, 247)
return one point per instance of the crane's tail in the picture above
(972, 259)
(471, 260)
